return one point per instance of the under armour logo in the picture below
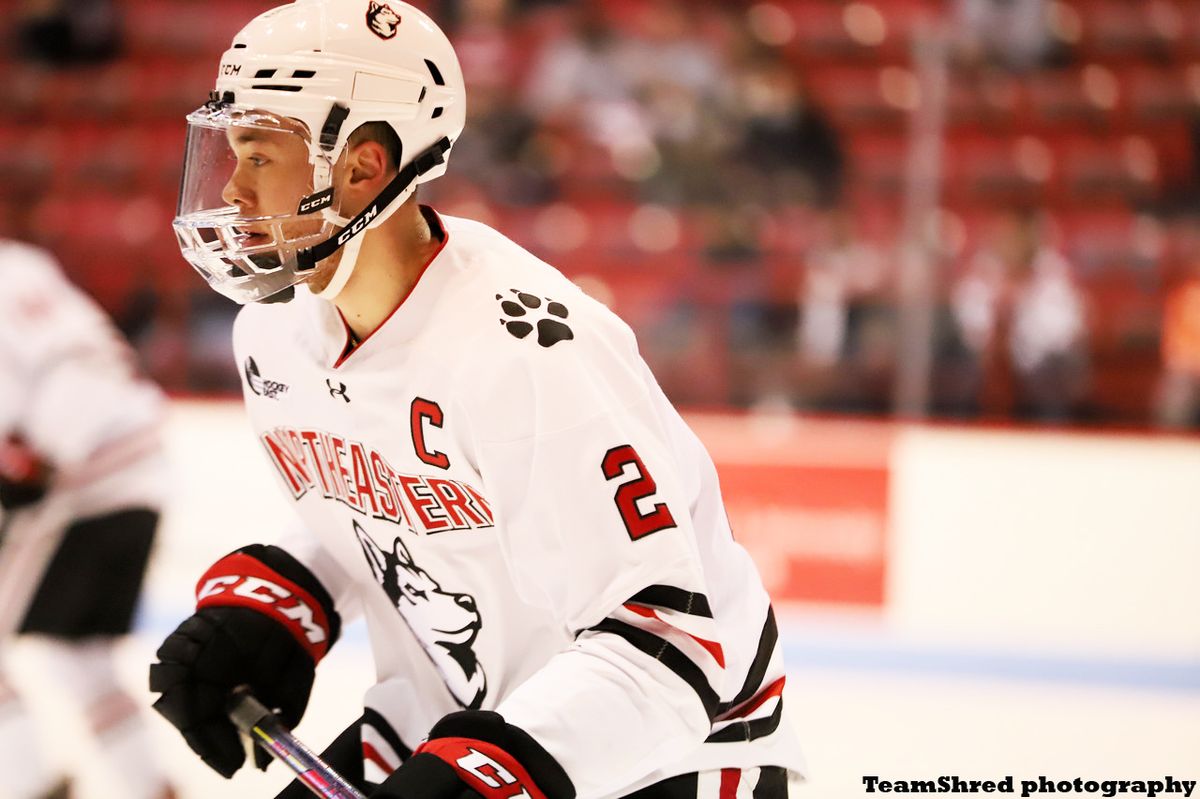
(337, 389)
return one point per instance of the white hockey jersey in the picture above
(69, 387)
(495, 478)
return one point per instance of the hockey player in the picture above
(485, 468)
(81, 484)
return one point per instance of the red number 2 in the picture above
(638, 524)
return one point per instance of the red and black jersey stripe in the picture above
(672, 598)
(754, 694)
(673, 626)
(662, 651)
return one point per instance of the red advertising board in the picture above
(809, 501)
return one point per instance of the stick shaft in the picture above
(268, 732)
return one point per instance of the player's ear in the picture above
(366, 164)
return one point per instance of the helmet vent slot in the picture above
(437, 112)
(435, 72)
(277, 87)
(303, 73)
(265, 73)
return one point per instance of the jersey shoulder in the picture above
(264, 325)
(39, 303)
(29, 270)
(520, 302)
(537, 341)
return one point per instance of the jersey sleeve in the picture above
(12, 390)
(597, 529)
(75, 382)
(301, 544)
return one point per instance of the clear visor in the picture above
(249, 203)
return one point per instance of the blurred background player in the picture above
(81, 485)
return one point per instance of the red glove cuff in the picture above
(243, 581)
(488, 769)
(19, 463)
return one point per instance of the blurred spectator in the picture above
(578, 78)
(1179, 389)
(487, 43)
(969, 355)
(62, 32)
(679, 82)
(793, 151)
(503, 153)
(647, 98)
(1048, 340)
(1018, 296)
(1013, 34)
(844, 337)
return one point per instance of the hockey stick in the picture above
(265, 729)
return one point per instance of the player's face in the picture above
(271, 175)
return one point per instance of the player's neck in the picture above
(389, 264)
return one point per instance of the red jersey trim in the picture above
(730, 777)
(712, 647)
(754, 703)
(372, 754)
(347, 350)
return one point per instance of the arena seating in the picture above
(90, 163)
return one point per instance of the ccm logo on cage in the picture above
(242, 581)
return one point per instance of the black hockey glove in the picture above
(262, 620)
(24, 476)
(474, 754)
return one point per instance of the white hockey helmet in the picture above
(315, 70)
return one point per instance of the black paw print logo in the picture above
(550, 328)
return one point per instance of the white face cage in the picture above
(245, 242)
(256, 211)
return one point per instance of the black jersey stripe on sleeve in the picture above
(772, 783)
(748, 730)
(672, 598)
(380, 724)
(758, 668)
(662, 651)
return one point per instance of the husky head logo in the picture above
(444, 622)
(382, 20)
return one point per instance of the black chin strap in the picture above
(309, 257)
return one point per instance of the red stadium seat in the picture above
(1157, 94)
(1088, 96)
(1120, 29)
(855, 96)
(878, 162)
(1121, 167)
(999, 169)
